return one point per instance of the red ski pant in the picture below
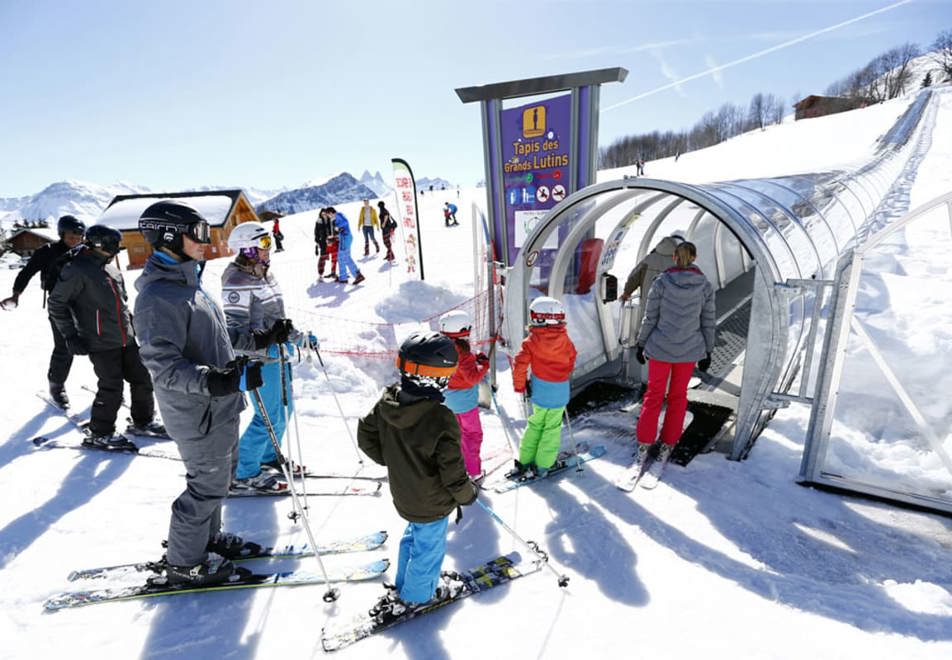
(329, 251)
(659, 373)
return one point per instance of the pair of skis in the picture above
(117, 588)
(565, 461)
(647, 474)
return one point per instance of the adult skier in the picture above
(367, 221)
(345, 239)
(387, 228)
(198, 385)
(449, 214)
(325, 243)
(257, 326)
(642, 275)
(676, 333)
(47, 261)
(89, 307)
(418, 439)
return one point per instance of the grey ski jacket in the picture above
(251, 303)
(679, 320)
(89, 301)
(182, 332)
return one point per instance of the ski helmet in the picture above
(429, 354)
(104, 238)
(456, 324)
(70, 224)
(164, 223)
(546, 311)
(249, 235)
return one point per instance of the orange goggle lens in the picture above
(424, 370)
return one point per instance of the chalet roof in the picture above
(124, 210)
(49, 233)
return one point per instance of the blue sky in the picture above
(173, 94)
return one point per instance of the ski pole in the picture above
(568, 425)
(340, 409)
(531, 545)
(332, 593)
(287, 399)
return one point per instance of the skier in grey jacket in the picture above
(677, 332)
(198, 384)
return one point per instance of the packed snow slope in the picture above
(724, 559)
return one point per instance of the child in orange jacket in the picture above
(550, 354)
(462, 394)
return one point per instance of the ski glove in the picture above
(705, 363)
(238, 375)
(640, 354)
(528, 389)
(278, 333)
(77, 345)
(482, 358)
(10, 303)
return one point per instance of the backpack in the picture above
(49, 276)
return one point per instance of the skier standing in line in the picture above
(367, 222)
(198, 385)
(462, 393)
(257, 326)
(642, 275)
(676, 333)
(418, 439)
(345, 238)
(88, 306)
(550, 354)
(387, 228)
(47, 261)
(278, 236)
(326, 244)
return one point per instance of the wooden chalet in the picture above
(819, 106)
(224, 209)
(28, 240)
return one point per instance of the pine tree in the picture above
(927, 81)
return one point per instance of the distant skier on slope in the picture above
(449, 214)
(278, 236)
(462, 393)
(550, 355)
(418, 440)
(198, 385)
(387, 228)
(88, 306)
(257, 325)
(47, 261)
(677, 331)
(347, 266)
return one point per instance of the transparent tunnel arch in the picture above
(761, 242)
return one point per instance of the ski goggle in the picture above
(200, 232)
(264, 241)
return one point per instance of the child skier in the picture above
(550, 354)
(462, 394)
(418, 440)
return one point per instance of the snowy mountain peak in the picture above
(340, 189)
(376, 183)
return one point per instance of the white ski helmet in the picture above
(249, 235)
(456, 324)
(546, 311)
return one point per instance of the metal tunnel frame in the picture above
(790, 231)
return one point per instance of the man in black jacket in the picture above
(47, 261)
(88, 306)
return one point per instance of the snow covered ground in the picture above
(724, 559)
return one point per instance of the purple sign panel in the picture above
(535, 151)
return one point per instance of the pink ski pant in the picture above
(471, 432)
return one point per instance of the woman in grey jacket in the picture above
(676, 333)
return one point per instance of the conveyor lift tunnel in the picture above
(768, 246)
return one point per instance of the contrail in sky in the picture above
(754, 56)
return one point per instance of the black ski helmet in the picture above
(70, 224)
(430, 354)
(164, 223)
(105, 238)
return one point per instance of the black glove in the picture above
(475, 493)
(250, 376)
(278, 333)
(482, 358)
(222, 382)
(77, 345)
(640, 354)
(705, 363)
(528, 389)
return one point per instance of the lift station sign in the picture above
(535, 151)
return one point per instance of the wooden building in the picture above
(819, 106)
(224, 209)
(26, 241)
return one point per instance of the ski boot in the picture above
(151, 429)
(451, 585)
(388, 608)
(58, 395)
(232, 546)
(263, 482)
(360, 278)
(274, 466)
(519, 472)
(201, 575)
(109, 442)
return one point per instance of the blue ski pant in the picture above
(346, 266)
(254, 447)
(422, 549)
